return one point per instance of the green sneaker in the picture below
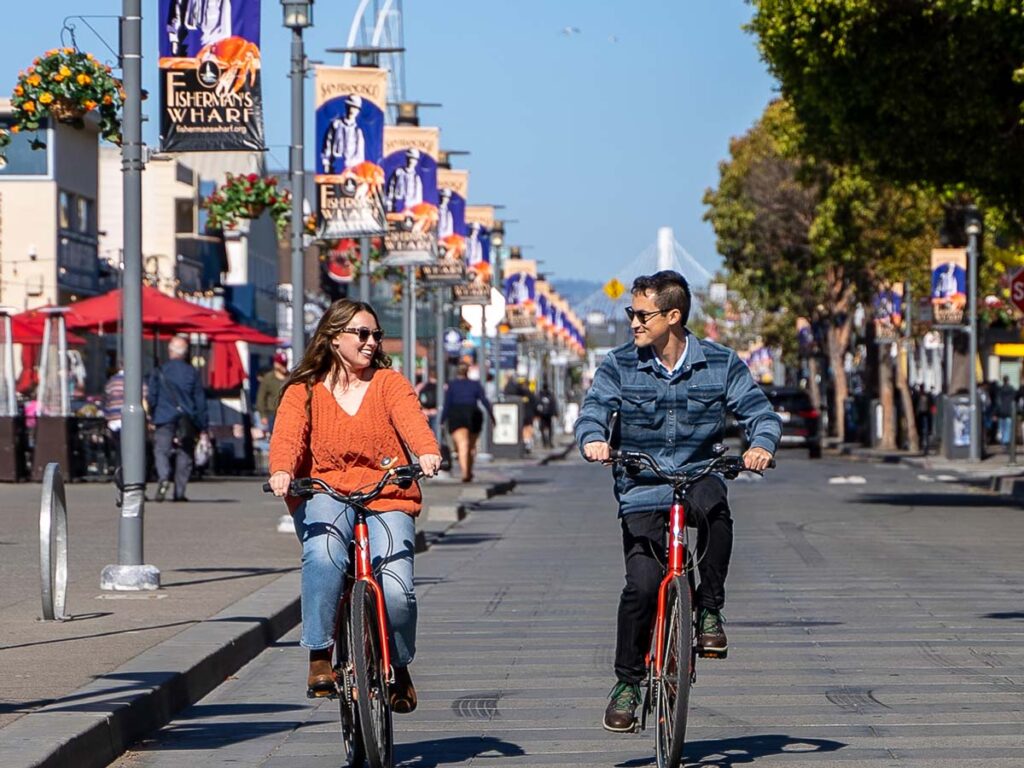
(620, 715)
(712, 640)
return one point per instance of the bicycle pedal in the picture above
(713, 653)
(321, 694)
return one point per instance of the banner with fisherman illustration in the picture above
(452, 190)
(410, 194)
(887, 308)
(949, 285)
(349, 145)
(520, 289)
(210, 76)
(477, 288)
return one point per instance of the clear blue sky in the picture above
(592, 144)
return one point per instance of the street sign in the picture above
(1017, 289)
(614, 288)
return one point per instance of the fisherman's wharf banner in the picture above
(949, 285)
(350, 104)
(410, 194)
(520, 290)
(210, 76)
(452, 190)
(477, 289)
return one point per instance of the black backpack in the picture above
(428, 397)
(545, 405)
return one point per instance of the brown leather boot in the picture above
(321, 674)
(403, 692)
(620, 715)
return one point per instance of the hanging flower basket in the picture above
(66, 84)
(247, 197)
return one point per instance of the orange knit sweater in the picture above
(346, 451)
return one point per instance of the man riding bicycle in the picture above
(670, 391)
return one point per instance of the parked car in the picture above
(800, 419)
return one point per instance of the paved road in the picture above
(875, 624)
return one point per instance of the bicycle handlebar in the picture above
(729, 466)
(402, 476)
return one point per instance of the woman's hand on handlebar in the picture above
(430, 463)
(279, 482)
(757, 459)
(597, 451)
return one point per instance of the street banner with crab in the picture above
(949, 285)
(410, 194)
(210, 76)
(520, 289)
(452, 190)
(477, 288)
(349, 142)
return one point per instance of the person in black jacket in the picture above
(463, 401)
(177, 408)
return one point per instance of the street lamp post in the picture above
(973, 228)
(298, 14)
(130, 574)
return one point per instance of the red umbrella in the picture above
(29, 330)
(226, 371)
(160, 312)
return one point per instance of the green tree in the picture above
(812, 237)
(923, 91)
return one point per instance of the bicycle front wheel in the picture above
(673, 697)
(351, 738)
(371, 678)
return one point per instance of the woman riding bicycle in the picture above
(344, 418)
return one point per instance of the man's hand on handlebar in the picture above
(597, 451)
(430, 463)
(279, 483)
(757, 459)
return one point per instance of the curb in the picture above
(94, 725)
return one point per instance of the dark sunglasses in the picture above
(365, 333)
(641, 315)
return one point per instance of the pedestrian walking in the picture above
(1004, 402)
(547, 411)
(177, 407)
(268, 395)
(462, 412)
(344, 418)
(924, 406)
(645, 383)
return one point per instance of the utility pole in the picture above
(297, 173)
(973, 227)
(130, 573)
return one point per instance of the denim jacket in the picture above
(676, 417)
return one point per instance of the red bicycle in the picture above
(362, 656)
(672, 661)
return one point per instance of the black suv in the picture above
(800, 419)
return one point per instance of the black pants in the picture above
(545, 430)
(166, 452)
(643, 547)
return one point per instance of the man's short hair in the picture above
(177, 347)
(670, 289)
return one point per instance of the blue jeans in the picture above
(1005, 430)
(325, 528)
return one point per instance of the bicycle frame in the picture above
(363, 571)
(676, 567)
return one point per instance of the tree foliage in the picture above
(923, 91)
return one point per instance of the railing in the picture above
(53, 544)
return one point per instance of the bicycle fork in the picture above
(364, 572)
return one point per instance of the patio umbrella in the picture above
(160, 313)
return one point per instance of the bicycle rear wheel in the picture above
(371, 683)
(673, 697)
(351, 738)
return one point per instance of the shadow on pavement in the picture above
(724, 753)
(459, 749)
(191, 734)
(467, 538)
(935, 500)
(100, 634)
(236, 573)
(1004, 615)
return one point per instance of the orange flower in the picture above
(34, 80)
(18, 90)
(46, 98)
(108, 99)
(65, 71)
(83, 79)
(15, 129)
(29, 106)
(69, 50)
(89, 105)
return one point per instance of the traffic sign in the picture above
(1017, 289)
(614, 288)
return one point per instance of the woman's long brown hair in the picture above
(321, 358)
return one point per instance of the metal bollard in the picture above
(53, 544)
